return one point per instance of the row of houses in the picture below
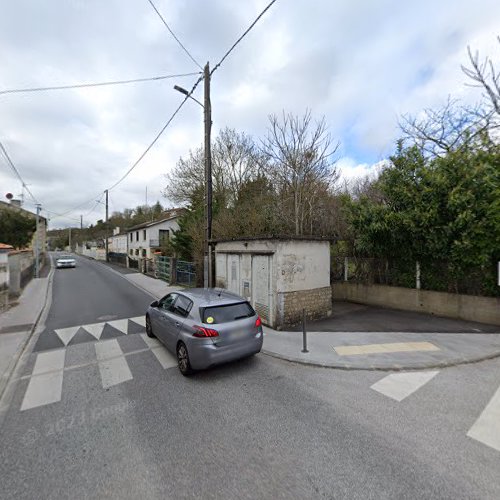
(144, 240)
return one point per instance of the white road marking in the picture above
(486, 428)
(398, 386)
(113, 366)
(49, 361)
(151, 342)
(66, 334)
(107, 349)
(95, 329)
(45, 385)
(166, 359)
(140, 320)
(43, 390)
(120, 324)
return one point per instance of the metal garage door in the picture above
(233, 273)
(261, 286)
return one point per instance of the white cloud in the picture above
(361, 64)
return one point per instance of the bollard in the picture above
(304, 333)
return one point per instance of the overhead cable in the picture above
(146, 151)
(173, 34)
(99, 84)
(11, 164)
(242, 36)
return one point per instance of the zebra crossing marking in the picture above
(123, 326)
(113, 366)
(399, 386)
(486, 428)
(95, 329)
(45, 385)
(164, 357)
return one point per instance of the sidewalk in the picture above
(17, 325)
(368, 350)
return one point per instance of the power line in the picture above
(99, 84)
(243, 36)
(146, 151)
(11, 164)
(173, 34)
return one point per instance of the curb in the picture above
(12, 366)
(393, 368)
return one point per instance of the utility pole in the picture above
(37, 242)
(81, 222)
(207, 271)
(107, 256)
(69, 240)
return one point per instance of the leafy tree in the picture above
(16, 228)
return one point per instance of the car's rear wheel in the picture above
(183, 360)
(149, 329)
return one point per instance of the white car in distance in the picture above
(65, 261)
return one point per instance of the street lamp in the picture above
(207, 108)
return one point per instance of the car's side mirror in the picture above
(154, 303)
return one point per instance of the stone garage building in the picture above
(279, 276)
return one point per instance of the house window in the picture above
(131, 252)
(144, 234)
(144, 252)
(137, 236)
(164, 236)
(131, 236)
(137, 251)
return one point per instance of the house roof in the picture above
(4, 246)
(10, 206)
(174, 214)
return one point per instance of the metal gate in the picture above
(185, 273)
(163, 268)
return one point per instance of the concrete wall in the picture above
(4, 280)
(279, 277)
(467, 307)
(21, 270)
(92, 253)
(118, 243)
(302, 265)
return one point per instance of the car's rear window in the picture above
(227, 313)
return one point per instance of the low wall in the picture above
(92, 253)
(467, 307)
(4, 280)
(21, 270)
(317, 303)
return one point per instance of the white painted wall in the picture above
(118, 243)
(152, 233)
(293, 265)
(302, 265)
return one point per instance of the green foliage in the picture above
(443, 212)
(16, 228)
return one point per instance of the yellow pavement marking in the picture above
(350, 350)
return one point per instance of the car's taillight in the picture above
(205, 332)
(258, 321)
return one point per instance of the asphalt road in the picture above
(87, 294)
(258, 428)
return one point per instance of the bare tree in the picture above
(485, 76)
(300, 155)
(446, 129)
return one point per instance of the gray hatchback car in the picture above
(205, 327)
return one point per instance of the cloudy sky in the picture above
(360, 63)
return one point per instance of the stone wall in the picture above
(316, 302)
(21, 270)
(467, 307)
